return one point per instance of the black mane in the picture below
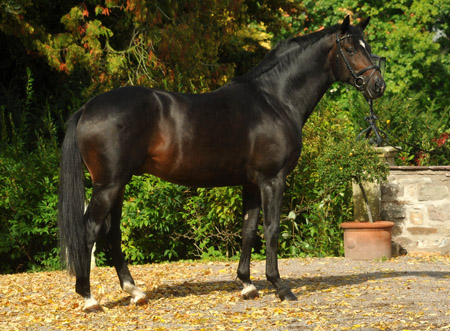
(277, 55)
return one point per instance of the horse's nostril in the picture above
(379, 86)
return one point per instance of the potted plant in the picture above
(348, 160)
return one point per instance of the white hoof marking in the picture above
(250, 292)
(91, 305)
(137, 296)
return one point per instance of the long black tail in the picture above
(72, 228)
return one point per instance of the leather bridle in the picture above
(359, 80)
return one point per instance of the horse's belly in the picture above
(193, 171)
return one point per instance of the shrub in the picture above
(420, 130)
(151, 219)
(163, 221)
(28, 199)
(214, 217)
(349, 160)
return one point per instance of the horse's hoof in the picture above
(137, 296)
(287, 295)
(140, 300)
(92, 306)
(250, 292)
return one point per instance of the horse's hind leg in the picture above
(98, 211)
(251, 207)
(114, 241)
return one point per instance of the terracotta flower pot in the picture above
(367, 241)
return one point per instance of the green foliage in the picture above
(151, 219)
(29, 159)
(28, 204)
(163, 221)
(420, 130)
(349, 160)
(214, 219)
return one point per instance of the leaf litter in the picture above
(404, 293)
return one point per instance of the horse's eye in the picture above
(350, 51)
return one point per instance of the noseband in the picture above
(359, 82)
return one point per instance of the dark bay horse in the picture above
(248, 133)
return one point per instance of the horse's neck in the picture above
(298, 88)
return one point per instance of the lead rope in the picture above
(381, 137)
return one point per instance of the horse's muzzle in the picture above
(375, 88)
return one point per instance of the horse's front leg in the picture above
(272, 194)
(251, 199)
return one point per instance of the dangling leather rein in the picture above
(359, 82)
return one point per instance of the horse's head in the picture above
(353, 60)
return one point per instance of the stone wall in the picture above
(417, 200)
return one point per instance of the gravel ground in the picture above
(405, 293)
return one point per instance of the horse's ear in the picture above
(345, 24)
(364, 23)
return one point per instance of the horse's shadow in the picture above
(301, 286)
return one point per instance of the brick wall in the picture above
(417, 200)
